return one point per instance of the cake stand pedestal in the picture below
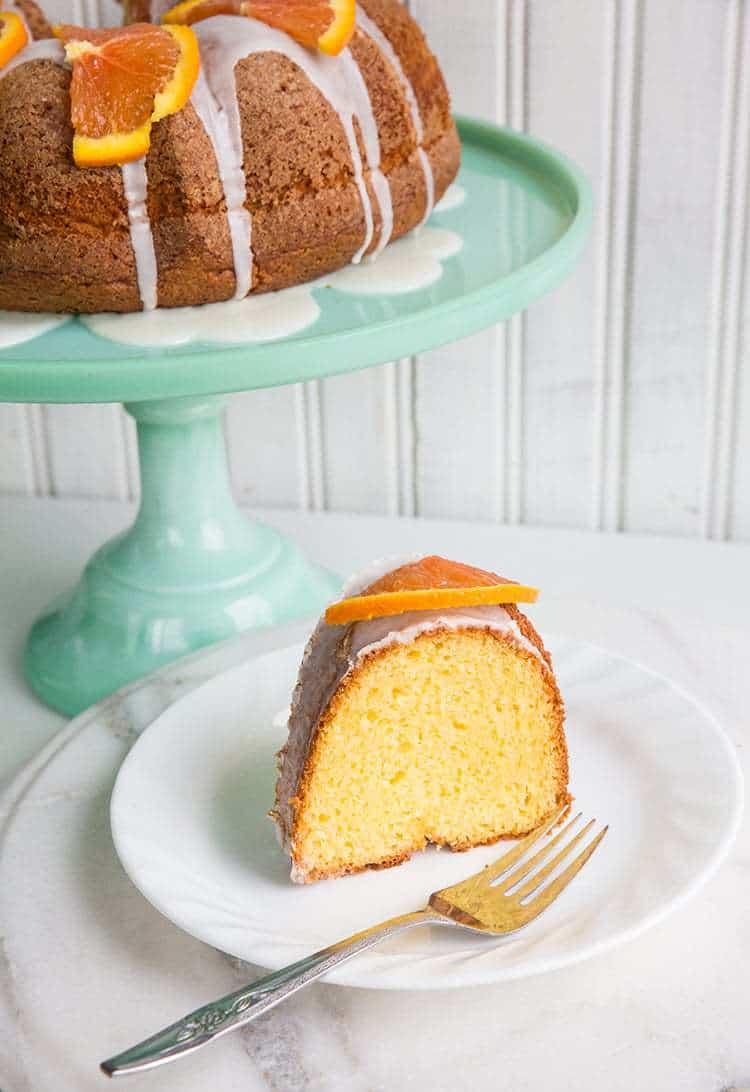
(192, 569)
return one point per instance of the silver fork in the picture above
(501, 899)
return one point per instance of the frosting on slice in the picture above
(335, 651)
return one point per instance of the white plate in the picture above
(189, 824)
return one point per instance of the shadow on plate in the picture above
(240, 824)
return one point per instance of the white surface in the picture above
(238, 321)
(190, 825)
(89, 967)
(621, 399)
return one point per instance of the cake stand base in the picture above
(192, 570)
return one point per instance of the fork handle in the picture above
(243, 1006)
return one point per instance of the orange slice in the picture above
(327, 25)
(13, 36)
(124, 79)
(429, 584)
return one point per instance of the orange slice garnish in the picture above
(429, 584)
(124, 79)
(13, 36)
(327, 25)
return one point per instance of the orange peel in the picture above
(125, 79)
(432, 583)
(327, 25)
(13, 35)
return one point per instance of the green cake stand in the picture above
(193, 569)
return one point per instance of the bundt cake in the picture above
(438, 726)
(285, 165)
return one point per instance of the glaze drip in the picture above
(134, 183)
(135, 188)
(222, 132)
(225, 40)
(373, 31)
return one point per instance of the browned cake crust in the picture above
(64, 234)
(36, 19)
(290, 810)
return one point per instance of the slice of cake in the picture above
(426, 712)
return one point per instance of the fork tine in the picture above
(550, 893)
(493, 871)
(536, 881)
(525, 867)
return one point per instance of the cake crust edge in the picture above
(297, 802)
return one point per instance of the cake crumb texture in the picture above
(455, 739)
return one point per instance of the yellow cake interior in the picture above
(454, 739)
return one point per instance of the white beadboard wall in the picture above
(619, 403)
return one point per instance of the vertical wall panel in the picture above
(724, 381)
(16, 469)
(87, 451)
(567, 73)
(357, 444)
(739, 526)
(681, 104)
(738, 394)
(457, 386)
(263, 441)
(458, 436)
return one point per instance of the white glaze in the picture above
(225, 40)
(411, 263)
(266, 317)
(372, 30)
(134, 182)
(135, 188)
(18, 326)
(407, 265)
(403, 629)
(453, 198)
(216, 107)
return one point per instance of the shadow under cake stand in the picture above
(193, 569)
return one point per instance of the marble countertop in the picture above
(87, 966)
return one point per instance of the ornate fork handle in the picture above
(237, 1009)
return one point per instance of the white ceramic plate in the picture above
(189, 823)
